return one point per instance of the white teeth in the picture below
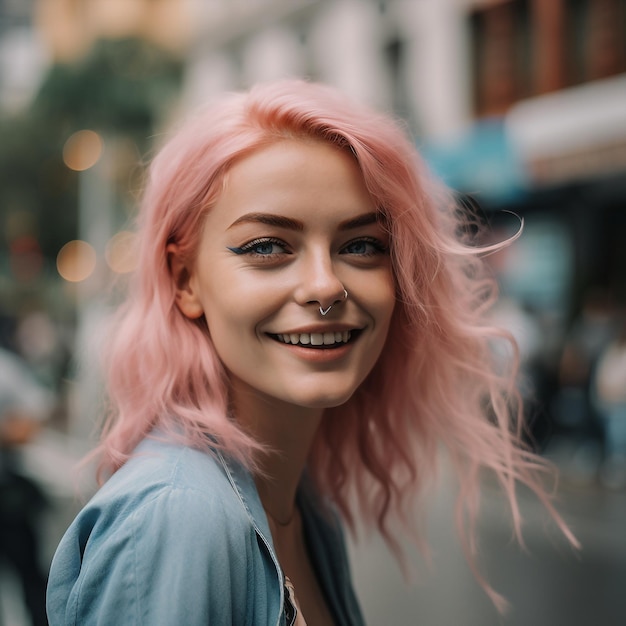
(315, 339)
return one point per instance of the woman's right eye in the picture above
(264, 247)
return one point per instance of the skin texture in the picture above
(293, 227)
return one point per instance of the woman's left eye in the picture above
(365, 247)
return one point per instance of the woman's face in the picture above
(293, 227)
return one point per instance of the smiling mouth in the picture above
(319, 341)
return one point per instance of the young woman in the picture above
(304, 329)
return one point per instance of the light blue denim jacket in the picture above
(179, 537)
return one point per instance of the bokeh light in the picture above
(76, 261)
(82, 150)
(120, 253)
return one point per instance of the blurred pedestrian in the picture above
(24, 405)
(610, 399)
(575, 412)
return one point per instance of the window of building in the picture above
(523, 48)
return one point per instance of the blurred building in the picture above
(69, 28)
(35, 34)
(22, 54)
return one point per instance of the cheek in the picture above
(233, 339)
(233, 313)
(382, 294)
(224, 313)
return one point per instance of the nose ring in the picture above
(323, 312)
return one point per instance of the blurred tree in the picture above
(38, 194)
(122, 86)
(121, 89)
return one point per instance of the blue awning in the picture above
(482, 161)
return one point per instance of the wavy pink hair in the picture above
(436, 382)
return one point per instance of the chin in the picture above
(325, 393)
(324, 401)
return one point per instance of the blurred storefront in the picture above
(554, 73)
(548, 143)
(558, 160)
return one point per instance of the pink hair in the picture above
(437, 380)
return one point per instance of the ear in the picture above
(186, 297)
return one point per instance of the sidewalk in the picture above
(548, 585)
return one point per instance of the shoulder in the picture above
(168, 522)
(179, 487)
(160, 465)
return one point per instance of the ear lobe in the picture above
(186, 298)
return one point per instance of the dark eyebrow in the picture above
(286, 222)
(362, 220)
(270, 219)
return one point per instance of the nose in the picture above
(319, 285)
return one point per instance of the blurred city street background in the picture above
(518, 105)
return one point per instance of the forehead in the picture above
(306, 179)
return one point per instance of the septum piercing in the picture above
(323, 312)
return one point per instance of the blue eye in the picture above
(264, 247)
(358, 247)
(365, 246)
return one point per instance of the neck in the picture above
(288, 432)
